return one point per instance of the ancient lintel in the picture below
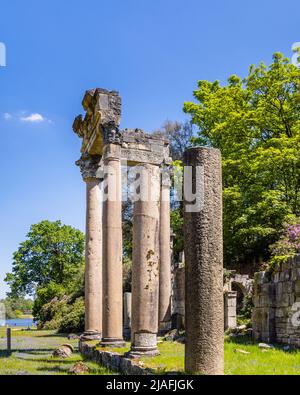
(100, 127)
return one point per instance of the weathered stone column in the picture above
(112, 249)
(204, 313)
(92, 174)
(145, 265)
(127, 315)
(230, 299)
(165, 255)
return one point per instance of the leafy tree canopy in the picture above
(52, 253)
(256, 124)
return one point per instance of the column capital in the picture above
(91, 167)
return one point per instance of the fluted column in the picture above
(112, 249)
(165, 255)
(91, 173)
(145, 265)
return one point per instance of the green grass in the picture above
(257, 362)
(32, 354)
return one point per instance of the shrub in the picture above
(288, 245)
(65, 315)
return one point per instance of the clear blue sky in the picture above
(152, 51)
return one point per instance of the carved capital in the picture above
(112, 135)
(91, 167)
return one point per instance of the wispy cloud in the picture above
(36, 117)
(7, 116)
(25, 116)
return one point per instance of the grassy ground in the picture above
(254, 362)
(32, 354)
(258, 361)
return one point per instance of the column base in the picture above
(90, 335)
(113, 343)
(144, 345)
(165, 327)
(136, 353)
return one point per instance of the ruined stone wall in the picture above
(275, 304)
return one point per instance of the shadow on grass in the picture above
(64, 335)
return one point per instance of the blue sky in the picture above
(152, 51)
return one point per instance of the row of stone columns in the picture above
(204, 352)
(151, 271)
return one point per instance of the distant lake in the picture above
(18, 322)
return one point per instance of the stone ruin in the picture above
(104, 148)
(276, 316)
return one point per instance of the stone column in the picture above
(145, 265)
(91, 172)
(230, 299)
(165, 255)
(127, 315)
(204, 310)
(112, 249)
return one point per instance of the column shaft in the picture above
(145, 269)
(112, 250)
(93, 262)
(165, 260)
(204, 265)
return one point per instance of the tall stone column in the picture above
(112, 249)
(165, 280)
(91, 172)
(145, 265)
(204, 313)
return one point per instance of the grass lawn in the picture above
(258, 362)
(32, 355)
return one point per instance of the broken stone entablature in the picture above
(100, 127)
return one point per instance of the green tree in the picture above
(256, 124)
(52, 253)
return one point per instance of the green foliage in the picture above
(247, 309)
(127, 274)
(16, 307)
(256, 124)
(177, 228)
(288, 245)
(44, 295)
(52, 253)
(50, 264)
(65, 315)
